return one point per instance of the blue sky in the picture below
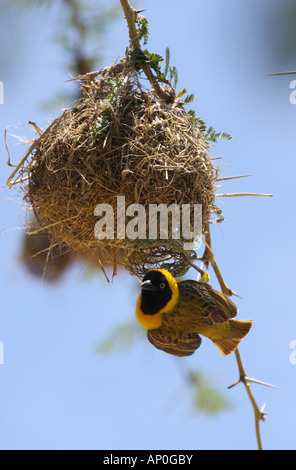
(56, 392)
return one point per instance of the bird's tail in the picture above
(236, 331)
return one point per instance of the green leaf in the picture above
(161, 78)
(143, 29)
(206, 398)
(197, 121)
(213, 136)
(174, 76)
(209, 134)
(154, 59)
(167, 61)
(209, 400)
(190, 98)
(182, 93)
(138, 57)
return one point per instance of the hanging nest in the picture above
(118, 140)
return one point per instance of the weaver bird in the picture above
(176, 312)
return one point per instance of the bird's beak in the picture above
(147, 285)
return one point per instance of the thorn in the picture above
(243, 194)
(281, 73)
(235, 383)
(140, 11)
(236, 295)
(263, 415)
(263, 408)
(244, 379)
(255, 381)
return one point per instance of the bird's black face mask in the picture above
(156, 292)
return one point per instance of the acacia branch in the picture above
(258, 413)
(208, 257)
(130, 16)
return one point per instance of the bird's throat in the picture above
(148, 321)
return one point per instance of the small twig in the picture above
(199, 270)
(101, 266)
(33, 146)
(6, 146)
(36, 127)
(9, 182)
(258, 412)
(232, 177)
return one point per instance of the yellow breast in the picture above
(150, 322)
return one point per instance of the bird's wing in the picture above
(182, 348)
(212, 306)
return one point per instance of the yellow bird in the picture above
(176, 312)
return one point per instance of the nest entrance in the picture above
(119, 139)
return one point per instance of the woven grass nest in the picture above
(118, 139)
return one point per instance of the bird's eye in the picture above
(162, 285)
